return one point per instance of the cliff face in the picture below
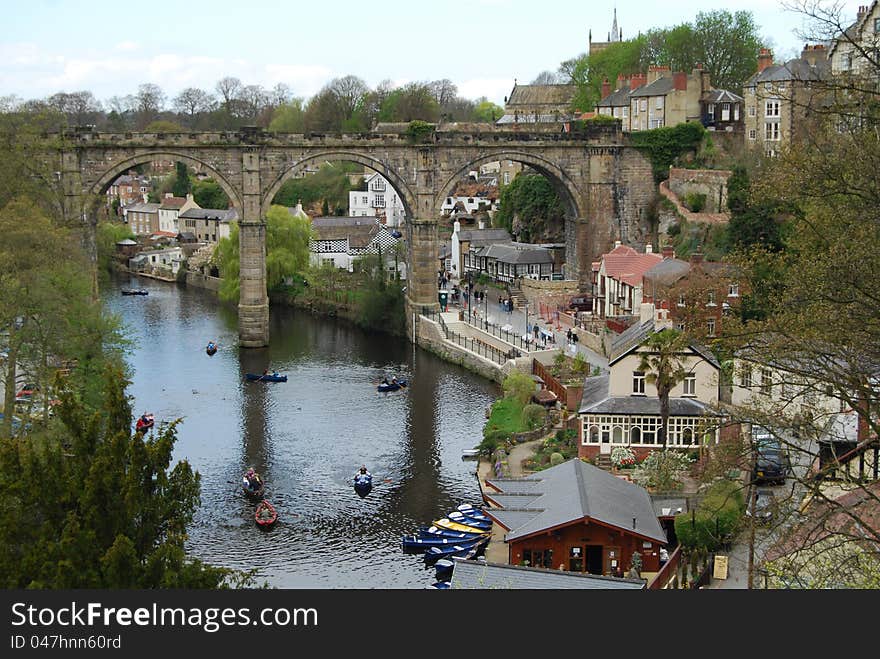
(539, 229)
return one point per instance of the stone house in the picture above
(142, 218)
(159, 262)
(847, 52)
(576, 517)
(667, 99)
(466, 244)
(538, 104)
(208, 224)
(621, 408)
(170, 209)
(779, 98)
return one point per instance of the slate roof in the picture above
(660, 87)
(574, 491)
(469, 574)
(615, 99)
(634, 336)
(721, 96)
(359, 231)
(142, 207)
(668, 271)
(222, 214)
(537, 95)
(480, 237)
(647, 406)
(510, 254)
(794, 69)
(170, 203)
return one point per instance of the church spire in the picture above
(615, 33)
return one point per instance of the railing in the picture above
(571, 396)
(471, 343)
(844, 463)
(513, 338)
(667, 572)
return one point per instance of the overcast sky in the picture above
(109, 48)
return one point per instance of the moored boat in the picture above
(436, 531)
(443, 569)
(463, 551)
(266, 377)
(449, 524)
(266, 515)
(484, 523)
(413, 543)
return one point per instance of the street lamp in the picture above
(526, 307)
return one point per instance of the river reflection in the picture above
(306, 436)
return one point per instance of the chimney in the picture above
(606, 88)
(680, 81)
(862, 11)
(696, 257)
(622, 82)
(649, 249)
(646, 312)
(637, 80)
(765, 59)
(189, 196)
(616, 244)
(662, 320)
(656, 72)
(668, 252)
(813, 54)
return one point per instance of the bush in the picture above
(519, 386)
(662, 470)
(714, 520)
(556, 459)
(533, 416)
(695, 201)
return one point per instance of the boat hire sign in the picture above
(720, 569)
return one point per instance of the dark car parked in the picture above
(771, 461)
(581, 303)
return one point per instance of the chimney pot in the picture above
(649, 249)
(616, 243)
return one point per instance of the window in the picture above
(365, 200)
(771, 130)
(753, 134)
(766, 381)
(644, 105)
(771, 109)
(710, 327)
(733, 290)
(711, 111)
(639, 383)
(751, 110)
(847, 61)
(625, 112)
(746, 377)
(710, 299)
(690, 384)
(681, 299)
(877, 26)
(736, 112)
(725, 112)
(380, 201)
(659, 103)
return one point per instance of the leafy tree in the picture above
(519, 386)
(108, 234)
(182, 184)
(528, 205)
(661, 361)
(207, 193)
(88, 505)
(287, 245)
(288, 118)
(588, 72)
(487, 112)
(192, 102)
(227, 260)
(412, 101)
(329, 184)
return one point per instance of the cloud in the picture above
(127, 46)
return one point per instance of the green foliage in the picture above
(87, 505)
(182, 185)
(534, 416)
(330, 185)
(164, 126)
(413, 101)
(519, 386)
(108, 234)
(420, 132)
(715, 519)
(288, 118)
(382, 304)
(505, 418)
(588, 71)
(226, 257)
(695, 201)
(663, 146)
(662, 470)
(487, 112)
(765, 222)
(208, 193)
(530, 199)
(287, 245)
(556, 459)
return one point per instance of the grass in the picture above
(506, 416)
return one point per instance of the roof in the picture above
(127, 241)
(142, 207)
(468, 574)
(575, 491)
(359, 231)
(187, 236)
(510, 254)
(668, 271)
(634, 336)
(531, 118)
(660, 87)
(170, 203)
(537, 95)
(647, 406)
(721, 96)
(794, 69)
(616, 98)
(480, 237)
(224, 214)
(627, 265)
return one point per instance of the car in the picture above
(765, 504)
(27, 391)
(581, 303)
(771, 462)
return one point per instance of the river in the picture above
(306, 437)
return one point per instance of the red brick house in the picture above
(576, 517)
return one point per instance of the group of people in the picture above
(392, 381)
(252, 480)
(571, 337)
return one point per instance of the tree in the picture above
(182, 184)
(288, 117)
(287, 245)
(488, 112)
(411, 102)
(192, 102)
(548, 78)
(662, 362)
(226, 258)
(148, 103)
(529, 207)
(519, 386)
(727, 45)
(207, 193)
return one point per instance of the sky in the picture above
(482, 46)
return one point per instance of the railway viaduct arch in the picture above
(604, 184)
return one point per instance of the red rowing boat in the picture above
(266, 515)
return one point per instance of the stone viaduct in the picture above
(604, 184)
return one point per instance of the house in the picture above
(617, 103)
(697, 293)
(128, 189)
(158, 262)
(341, 241)
(576, 517)
(722, 110)
(478, 575)
(142, 218)
(536, 105)
(208, 224)
(622, 407)
(467, 243)
(779, 98)
(847, 52)
(170, 209)
(511, 261)
(379, 200)
(619, 280)
(468, 197)
(666, 98)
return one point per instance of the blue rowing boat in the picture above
(412, 543)
(266, 377)
(394, 385)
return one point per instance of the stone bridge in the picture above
(604, 184)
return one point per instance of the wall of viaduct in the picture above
(604, 184)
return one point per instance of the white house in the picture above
(621, 408)
(621, 272)
(379, 200)
(863, 36)
(160, 262)
(342, 241)
(170, 209)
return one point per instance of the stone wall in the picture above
(710, 182)
(199, 280)
(545, 291)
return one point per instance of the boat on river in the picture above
(363, 483)
(266, 377)
(436, 531)
(266, 515)
(135, 291)
(413, 543)
(466, 551)
(257, 490)
(394, 385)
(211, 349)
(481, 522)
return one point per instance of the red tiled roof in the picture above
(627, 265)
(170, 234)
(173, 202)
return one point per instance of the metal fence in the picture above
(471, 343)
